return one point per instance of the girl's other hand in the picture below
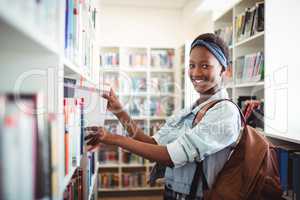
(96, 136)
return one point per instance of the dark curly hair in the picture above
(210, 37)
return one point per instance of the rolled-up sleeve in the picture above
(166, 134)
(218, 129)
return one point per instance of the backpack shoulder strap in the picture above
(199, 168)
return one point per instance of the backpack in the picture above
(250, 173)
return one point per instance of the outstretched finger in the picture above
(91, 128)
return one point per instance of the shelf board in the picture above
(133, 165)
(158, 117)
(129, 189)
(18, 34)
(104, 166)
(162, 94)
(134, 69)
(167, 70)
(75, 71)
(282, 138)
(136, 94)
(254, 84)
(250, 39)
(112, 68)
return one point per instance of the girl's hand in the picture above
(97, 135)
(113, 104)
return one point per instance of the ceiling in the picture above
(169, 4)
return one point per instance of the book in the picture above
(249, 68)
(109, 59)
(162, 58)
(108, 180)
(74, 190)
(19, 146)
(163, 106)
(162, 83)
(250, 22)
(134, 179)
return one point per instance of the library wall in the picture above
(138, 26)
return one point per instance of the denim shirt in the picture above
(211, 140)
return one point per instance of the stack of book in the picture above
(109, 59)
(108, 180)
(226, 34)
(163, 58)
(250, 68)
(108, 156)
(250, 22)
(134, 179)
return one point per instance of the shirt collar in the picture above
(221, 94)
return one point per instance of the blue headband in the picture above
(214, 49)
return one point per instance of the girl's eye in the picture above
(191, 66)
(204, 66)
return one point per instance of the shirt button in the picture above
(169, 186)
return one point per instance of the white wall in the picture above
(139, 26)
(146, 26)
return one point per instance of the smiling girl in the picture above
(183, 140)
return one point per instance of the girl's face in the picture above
(205, 71)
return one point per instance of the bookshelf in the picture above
(144, 79)
(242, 28)
(43, 43)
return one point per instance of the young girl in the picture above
(182, 141)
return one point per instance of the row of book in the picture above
(137, 106)
(131, 158)
(108, 180)
(250, 22)
(161, 106)
(110, 59)
(79, 37)
(108, 156)
(134, 180)
(134, 84)
(162, 83)
(226, 34)
(162, 58)
(136, 59)
(29, 160)
(250, 68)
(74, 132)
(74, 190)
(289, 165)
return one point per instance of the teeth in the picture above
(198, 81)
